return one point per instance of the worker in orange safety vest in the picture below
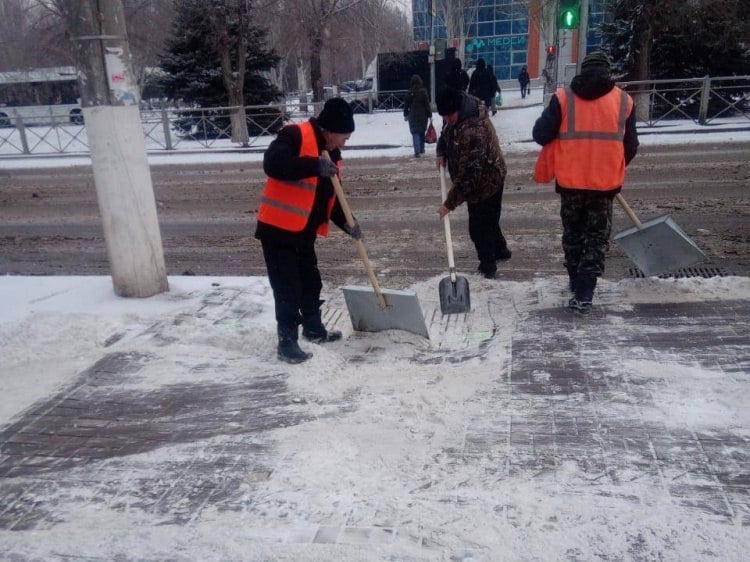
(297, 203)
(588, 134)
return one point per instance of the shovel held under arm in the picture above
(360, 245)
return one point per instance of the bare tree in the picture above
(335, 40)
(374, 26)
(149, 23)
(457, 15)
(233, 65)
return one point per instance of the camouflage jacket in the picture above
(475, 160)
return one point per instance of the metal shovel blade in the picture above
(660, 246)
(455, 298)
(401, 313)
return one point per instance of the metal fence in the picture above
(702, 100)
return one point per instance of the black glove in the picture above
(326, 168)
(353, 231)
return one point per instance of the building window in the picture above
(499, 34)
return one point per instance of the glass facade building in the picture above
(500, 34)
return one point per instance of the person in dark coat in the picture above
(417, 112)
(457, 78)
(483, 85)
(469, 146)
(524, 81)
(494, 86)
(586, 203)
(289, 220)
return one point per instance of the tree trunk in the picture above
(316, 46)
(238, 118)
(641, 70)
(234, 81)
(302, 82)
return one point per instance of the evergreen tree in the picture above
(678, 39)
(192, 61)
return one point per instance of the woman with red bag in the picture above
(417, 112)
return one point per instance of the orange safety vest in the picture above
(588, 152)
(288, 204)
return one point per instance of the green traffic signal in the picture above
(569, 19)
(570, 14)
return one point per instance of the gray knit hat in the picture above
(596, 61)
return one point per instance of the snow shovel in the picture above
(375, 310)
(658, 245)
(453, 290)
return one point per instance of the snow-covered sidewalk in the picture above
(166, 429)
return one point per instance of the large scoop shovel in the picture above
(373, 309)
(455, 297)
(658, 245)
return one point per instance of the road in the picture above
(49, 219)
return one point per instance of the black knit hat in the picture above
(596, 61)
(337, 116)
(448, 101)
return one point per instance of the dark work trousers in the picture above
(484, 230)
(295, 280)
(587, 225)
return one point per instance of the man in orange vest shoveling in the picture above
(298, 201)
(589, 136)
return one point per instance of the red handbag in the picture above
(430, 136)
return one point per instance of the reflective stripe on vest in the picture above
(288, 204)
(590, 152)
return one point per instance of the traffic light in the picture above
(570, 14)
(550, 51)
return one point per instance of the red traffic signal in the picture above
(550, 51)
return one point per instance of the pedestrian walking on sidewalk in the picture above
(469, 146)
(588, 136)
(298, 201)
(524, 81)
(417, 112)
(483, 84)
(495, 89)
(456, 77)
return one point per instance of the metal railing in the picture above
(702, 100)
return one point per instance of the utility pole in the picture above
(109, 99)
(583, 32)
(431, 56)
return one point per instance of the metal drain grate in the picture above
(705, 272)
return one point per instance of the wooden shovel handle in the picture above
(360, 245)
(447, 224)
(629, 211)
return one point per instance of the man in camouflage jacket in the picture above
(470, 147)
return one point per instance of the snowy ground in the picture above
(517, 432)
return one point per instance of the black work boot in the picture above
(314, 331)
(502, 254)
(289, 350)
(489, 271)
(584, 294)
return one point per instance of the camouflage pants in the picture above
(587, 225)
